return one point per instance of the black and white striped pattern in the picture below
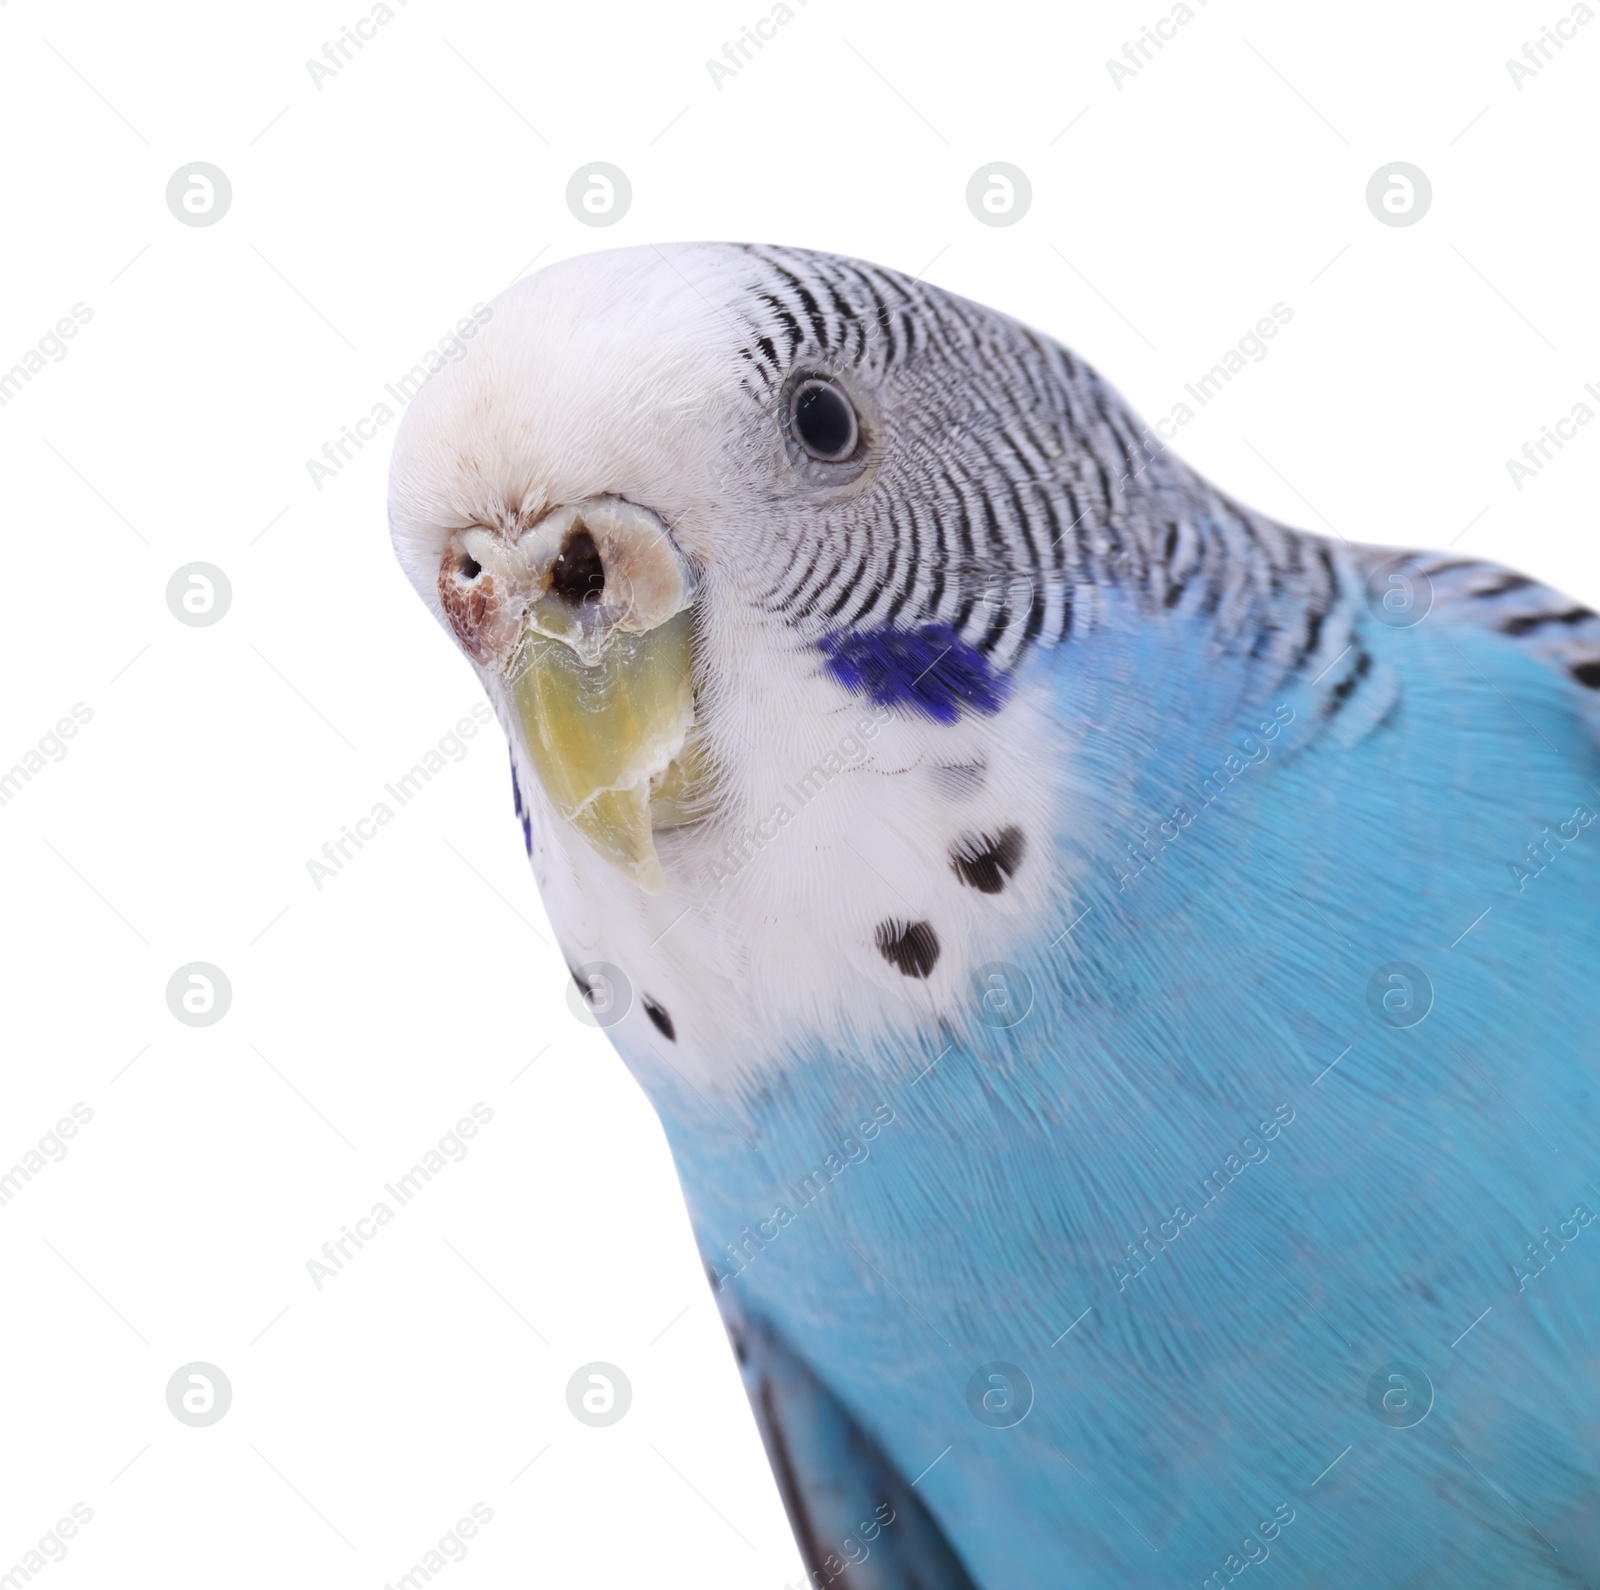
(1564, 635)
(1010, 479)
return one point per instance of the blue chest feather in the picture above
(1286, 1272)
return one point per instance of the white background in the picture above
(368, 215)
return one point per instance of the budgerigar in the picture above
(1118, 975)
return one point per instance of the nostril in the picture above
(578, 575)
(472, 594)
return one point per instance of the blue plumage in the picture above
(1135, 1087)
(1357, 1194)
(929, 670)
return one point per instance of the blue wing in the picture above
(857, 1520)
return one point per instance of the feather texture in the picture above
(1167, 1011)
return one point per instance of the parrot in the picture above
(1117, 974)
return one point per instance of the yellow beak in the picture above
(587, 617)
(609, 739)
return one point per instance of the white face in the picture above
(585, 382)
(652, 505)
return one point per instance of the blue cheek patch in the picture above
(524, 816)
(930, 671)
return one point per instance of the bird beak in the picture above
(588, 619)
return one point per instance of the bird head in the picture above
(719, 524)
(657, 468)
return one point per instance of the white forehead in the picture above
(611, 373)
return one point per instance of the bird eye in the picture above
(823, 421)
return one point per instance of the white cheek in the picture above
(769, 929)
